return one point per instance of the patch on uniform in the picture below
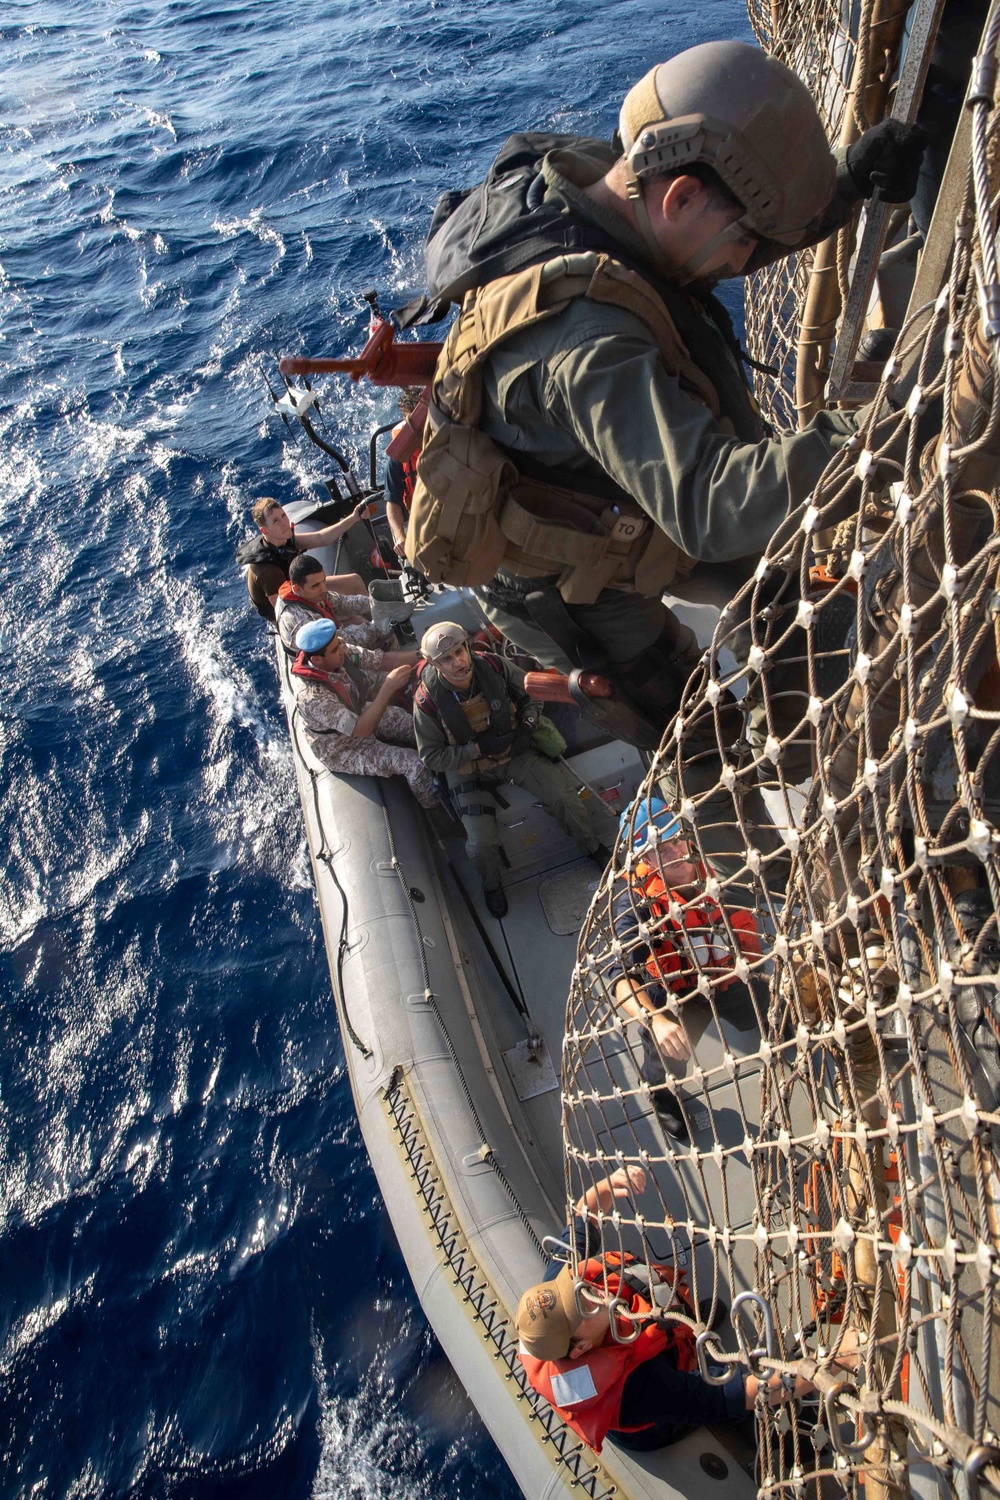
(570, 1387)
(542, 1303)
(628, 528)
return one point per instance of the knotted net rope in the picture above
(818, 40)
(835, 767)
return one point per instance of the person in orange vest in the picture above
(639, 1395)
(401, 475)
(652, 980)
(305, 595)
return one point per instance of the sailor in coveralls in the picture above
(647, 1392)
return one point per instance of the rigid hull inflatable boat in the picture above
(453, 1032)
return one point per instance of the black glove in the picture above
(886, 160)
(522, 738)
(492, 744)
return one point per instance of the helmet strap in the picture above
(690, 269)
(656, 252)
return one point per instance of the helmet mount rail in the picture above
(671, 145)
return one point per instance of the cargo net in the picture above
(822, 925)
(818, 40)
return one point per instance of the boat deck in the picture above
(496, 987)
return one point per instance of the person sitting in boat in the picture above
(672, 935)
(344, 700)
(305, 595)
(474, 724)
(646, 1393)
(401, 474)
(268, 557)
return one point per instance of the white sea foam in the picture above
(161, 121)
(254, 224)
(356, 1442)
(60, 863)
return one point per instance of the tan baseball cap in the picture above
(547, 1317)
(442, 638)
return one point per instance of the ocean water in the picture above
(200, 1293)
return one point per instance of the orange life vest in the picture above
(323, 606)
(351, 688)
(695, 941)
(409, 468)
(587, 1392)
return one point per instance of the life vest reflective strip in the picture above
(587, 1392)
(353, 696)
(696, 941)
(435, 698)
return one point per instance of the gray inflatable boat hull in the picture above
(465, 1145)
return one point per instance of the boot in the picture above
(496, 902)
(668, 1112)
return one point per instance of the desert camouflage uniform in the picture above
(328, 722)
(289, 614)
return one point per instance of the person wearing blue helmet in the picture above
(675, 941)
(345, 702)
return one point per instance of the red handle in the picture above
(382, 361)
(553, 687)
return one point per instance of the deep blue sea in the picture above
(200, 1292)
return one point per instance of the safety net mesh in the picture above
(818, 39)
(823, 927)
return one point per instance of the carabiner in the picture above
(552, 1244)
(701, 1344)
(981, 1455)
(767, 1348)
(634, 1326)
(858, 1448)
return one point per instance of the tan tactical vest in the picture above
(473, 512)
(477, 711)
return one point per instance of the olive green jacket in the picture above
(436, 750)
(585, 393)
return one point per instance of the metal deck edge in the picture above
(573, 1464)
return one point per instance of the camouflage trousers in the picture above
(364, 633)
(389, 752)
(551, 784)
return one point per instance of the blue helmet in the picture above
(650, 810)
(315, 635)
